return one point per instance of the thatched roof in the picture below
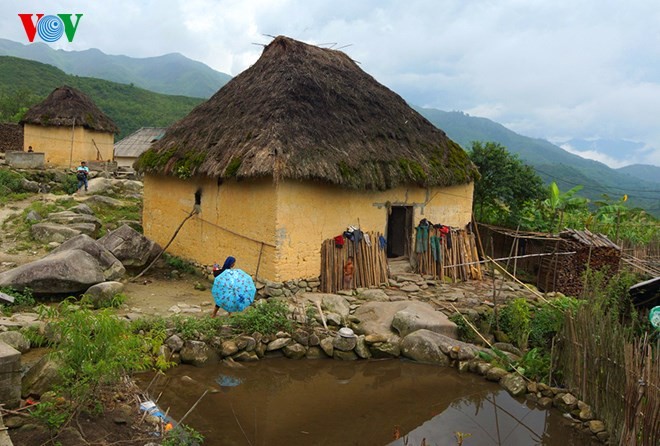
(138, 141)
(309, 113)
(66, 107)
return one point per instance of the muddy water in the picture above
(328, 402)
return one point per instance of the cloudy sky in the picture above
(553, 69)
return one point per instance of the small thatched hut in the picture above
(288, 154)
(68, 127)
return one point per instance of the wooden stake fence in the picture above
(458, 262)
(370, 263)
(619, 378)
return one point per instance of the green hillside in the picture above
(169, 74)
(552, 163)
(29, 82)
(642, 171)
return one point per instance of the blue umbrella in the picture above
(233, 290)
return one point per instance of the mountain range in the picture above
(132, 107)
(169, 74)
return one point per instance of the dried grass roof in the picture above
(308, 113)
(138, 141)
(66, 107)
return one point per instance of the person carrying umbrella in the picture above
(233, 289)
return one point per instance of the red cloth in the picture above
(339, 241)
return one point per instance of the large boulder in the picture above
(133, 249)
(417, 317)
(424, 346)
(69, 218)
(52, 232)
(377, 318)
(15, 339)
(41, 377)
(111, 266)
(65, 272)
(101, 294)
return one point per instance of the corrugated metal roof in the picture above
(139, 141)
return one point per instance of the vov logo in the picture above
(50, 27)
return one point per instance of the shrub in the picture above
(180, 264)
(266, 316)
(194, 328)
(22, 299)
(548, 320)
(515, 321)
(465, 333)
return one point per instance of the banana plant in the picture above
(560, 202)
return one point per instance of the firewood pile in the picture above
(369, 260)
(566, 273)
(454, 255)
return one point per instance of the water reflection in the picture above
(327, 402)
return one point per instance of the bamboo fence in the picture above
(370, 263)
(619, 378)
(460, 262)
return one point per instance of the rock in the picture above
(314, 340)
(596, 426)
(410, 288)
(99, 185)
(112, 267)
(246, 356)
(545, 402)
(374, 295)
(483, 368)
(294, 351)
(585, 414)
(174, 343)
(82, 208)
(326, 345)
(16, 340)
(423, 316)
(514, 384)
(385, 350)
(315, 353)
(565, 402)
(510, 348)
(246, 343)
(129, 246)
(278, 344)
(229, 348)
(423, 346)
(333, 319)
(301, 337)
(41, 377)
(495, 374)
(101, 294)
(51, 232)
(603, 436)
(333, 303)
(344, 344)
(361, 348)
(71, 271)
(29, 186)
(69, 218)
(32, 216)
(345, 356)
(100, 200)
(198, 354)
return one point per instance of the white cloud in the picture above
(582, 69)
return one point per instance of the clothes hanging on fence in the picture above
(436, 248)
(367, 239)
(421, 238)
(382, 242)
(339, 241)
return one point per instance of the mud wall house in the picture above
(11, 137)
(288, 154)
(68, 127)
(127, 151)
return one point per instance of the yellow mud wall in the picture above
(308, 214)
(235, 219)
(55, 142)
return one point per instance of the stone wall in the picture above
(25, 160)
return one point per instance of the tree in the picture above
(506, 184)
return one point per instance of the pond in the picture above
(329, 402)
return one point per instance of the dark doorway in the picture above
(399, 230)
